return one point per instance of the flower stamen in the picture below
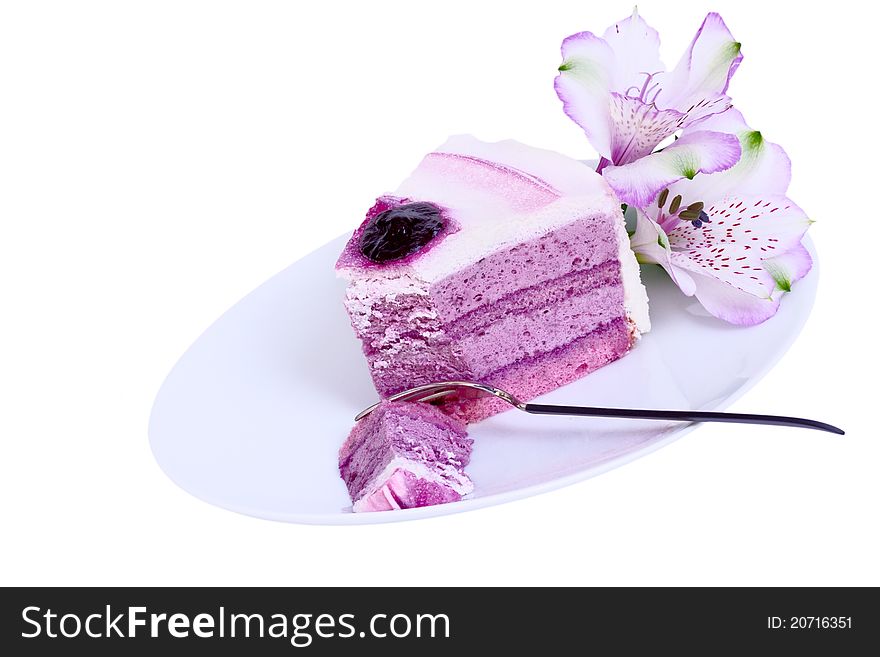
(656, 86)
(697, 217)
(639, 93)
(661, 200)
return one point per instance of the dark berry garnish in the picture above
(401, 231)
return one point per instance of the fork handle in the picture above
(682, 416)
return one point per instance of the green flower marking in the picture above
(752, 141)
(778, 274)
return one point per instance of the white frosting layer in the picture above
(502, 194)
(635, 296)
(500, 208)
(451, 478)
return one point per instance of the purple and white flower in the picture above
(732, 239)
(711, 206)
(617, 89)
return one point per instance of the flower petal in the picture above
(741, 235)
(730, 121)
(637, 128)
(700, 80)
(639, 182)
(764, 168)
(788, 268)
(698, 110)
(732, 304)
(636, 47)
(583, 85)
(651, 246)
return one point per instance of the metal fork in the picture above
(432, 391)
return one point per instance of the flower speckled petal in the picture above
(731, 304)
(638, 127)
(743, 232)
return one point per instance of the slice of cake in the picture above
(404, 455)
(497, 263)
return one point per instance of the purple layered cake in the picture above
(405, 455)
(493, 262)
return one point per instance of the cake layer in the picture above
(579, 246)
(403, 339)
(526, 334)
(405, 454)
(535, 298)
(541, 374)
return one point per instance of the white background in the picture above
(158, 160)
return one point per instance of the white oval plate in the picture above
(251, 417)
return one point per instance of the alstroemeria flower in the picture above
(732, 239)
(617, 89)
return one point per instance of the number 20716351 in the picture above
(809, 623)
